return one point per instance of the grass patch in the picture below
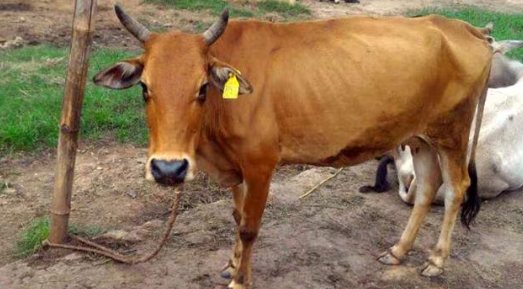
(88, 232)
(31, 238)
(506, 26)
(283, 8)
(193, 5)
(4, 185)
(213, 6)
(32, 84)
(246, 9)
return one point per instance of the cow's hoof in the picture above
(388, 259)
(226, 274)
(431, 270)
(234, 285)
(227, 271)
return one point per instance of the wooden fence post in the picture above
(83, 29)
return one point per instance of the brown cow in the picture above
(327, 93)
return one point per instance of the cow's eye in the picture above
(203, 92)
(145, 91)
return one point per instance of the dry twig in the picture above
(319, 184)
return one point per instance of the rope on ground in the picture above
(109, 253)
(320, 183)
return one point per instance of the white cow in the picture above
(499, 155)
(505, 71)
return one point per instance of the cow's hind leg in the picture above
(428, 179)
(238, 193)
(455, 181)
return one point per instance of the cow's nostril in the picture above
(182, 170)
(169, 172)
(155, 169)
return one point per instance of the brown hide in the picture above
(339, 92)
(329, 93)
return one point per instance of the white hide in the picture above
(405, 171)
(499, 157)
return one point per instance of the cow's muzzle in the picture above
(169, 173)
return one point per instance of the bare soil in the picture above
(49, 21)
(327, 240)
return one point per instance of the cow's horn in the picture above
(487, 30)
(134, 27)
(216, 30)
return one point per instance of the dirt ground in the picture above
(49, 21)
(327, 240)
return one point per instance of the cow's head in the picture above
(177, 74)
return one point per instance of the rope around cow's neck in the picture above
(109, 253)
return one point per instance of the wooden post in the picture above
(83, 29)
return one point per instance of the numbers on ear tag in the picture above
(231, 88)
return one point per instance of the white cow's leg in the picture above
(455, 181)
(405, 172)
(408, 196)
(428, 179)
(229, 270)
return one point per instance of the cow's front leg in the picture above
(229, 270)
(257, 190)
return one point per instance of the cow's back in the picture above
(341, 91)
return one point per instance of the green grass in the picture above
(506, 26)
(213, 6)
(193, 5)
(4, 185)
(31, 238)
(286, 10)
(32, 81)
(283, 8)
(89, 231)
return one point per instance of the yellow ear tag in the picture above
(232, 87)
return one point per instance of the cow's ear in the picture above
(508, 45)
(123, 74)
(220, 72)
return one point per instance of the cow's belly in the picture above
(340, 145)
(326, 119)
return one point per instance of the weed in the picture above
(31, 238)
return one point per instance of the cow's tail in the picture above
(381, 184)
(472, 204)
